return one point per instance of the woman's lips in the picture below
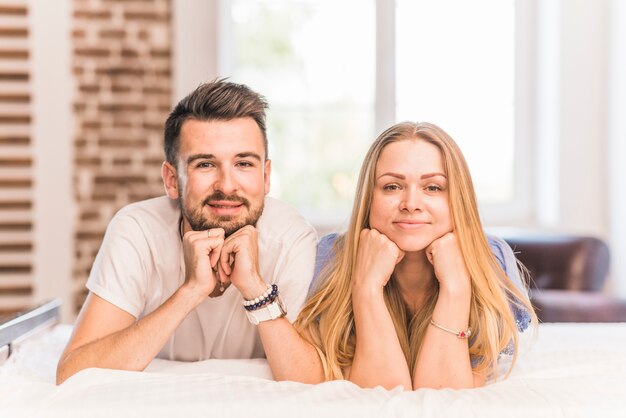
(410, 224)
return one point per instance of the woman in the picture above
(413, 294)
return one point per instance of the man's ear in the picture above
(266, 174)
(170, 180)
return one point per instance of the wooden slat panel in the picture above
(16, 165)
(15, 303)
(14, 107)
(15, 43)
(15, 280)
(14, 131)
(15, 168)
(14, 151)
(16, 258)
(16, 195)
(13, 21)
(15, 237)
(20, 98)
(15, 66)
(14, 87)
(19, 216)
(13, 8)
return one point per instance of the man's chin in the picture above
(231, 226)
(230, 229)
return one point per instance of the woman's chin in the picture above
(411, 245)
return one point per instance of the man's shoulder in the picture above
(281, 219)
(158, 210)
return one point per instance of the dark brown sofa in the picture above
(568, 274)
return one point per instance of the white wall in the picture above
(584, 96)
(580, 154)
(616, 118)
(195, 44)
(53, 152)
(572, 96)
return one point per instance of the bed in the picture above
(568, 370)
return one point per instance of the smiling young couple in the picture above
(412, 294)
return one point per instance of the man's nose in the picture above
(225, 182)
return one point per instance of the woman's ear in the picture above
(170, 180)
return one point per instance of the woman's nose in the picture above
(412, 200)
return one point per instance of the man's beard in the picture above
(229, 224)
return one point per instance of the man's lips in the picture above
(224, 204)
(225, 207)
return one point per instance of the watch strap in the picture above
(269, 312)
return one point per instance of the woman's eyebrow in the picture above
(429, 175)
(422, 177)
(396, 175)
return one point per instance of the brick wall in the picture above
(122, 70)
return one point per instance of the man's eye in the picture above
(244, 164)
(204, 164)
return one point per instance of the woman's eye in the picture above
(433, 188)
(391, 187)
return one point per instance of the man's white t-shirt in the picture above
(140, 265)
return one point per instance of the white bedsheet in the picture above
(572, 370)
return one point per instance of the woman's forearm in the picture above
(444, 361)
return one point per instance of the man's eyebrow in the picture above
(194, 157)
(247, 154)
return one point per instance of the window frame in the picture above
(518, 211)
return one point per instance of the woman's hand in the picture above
(445, 255)
(376, 259)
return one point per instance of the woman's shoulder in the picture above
(325, 252)
(505, 256)
(508, 262)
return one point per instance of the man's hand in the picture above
(202, 251)
(239, 262)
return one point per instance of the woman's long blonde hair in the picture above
(327, 319)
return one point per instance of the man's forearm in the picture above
(134, 347)
(289, 355)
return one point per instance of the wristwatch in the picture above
(274, 310)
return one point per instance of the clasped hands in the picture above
(378, 256)
(211, 259)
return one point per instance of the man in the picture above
(172, 272)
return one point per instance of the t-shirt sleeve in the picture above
(296, 272)
(324, 254)
(504, 254)
(118, 274)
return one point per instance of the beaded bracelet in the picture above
(267, 297)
